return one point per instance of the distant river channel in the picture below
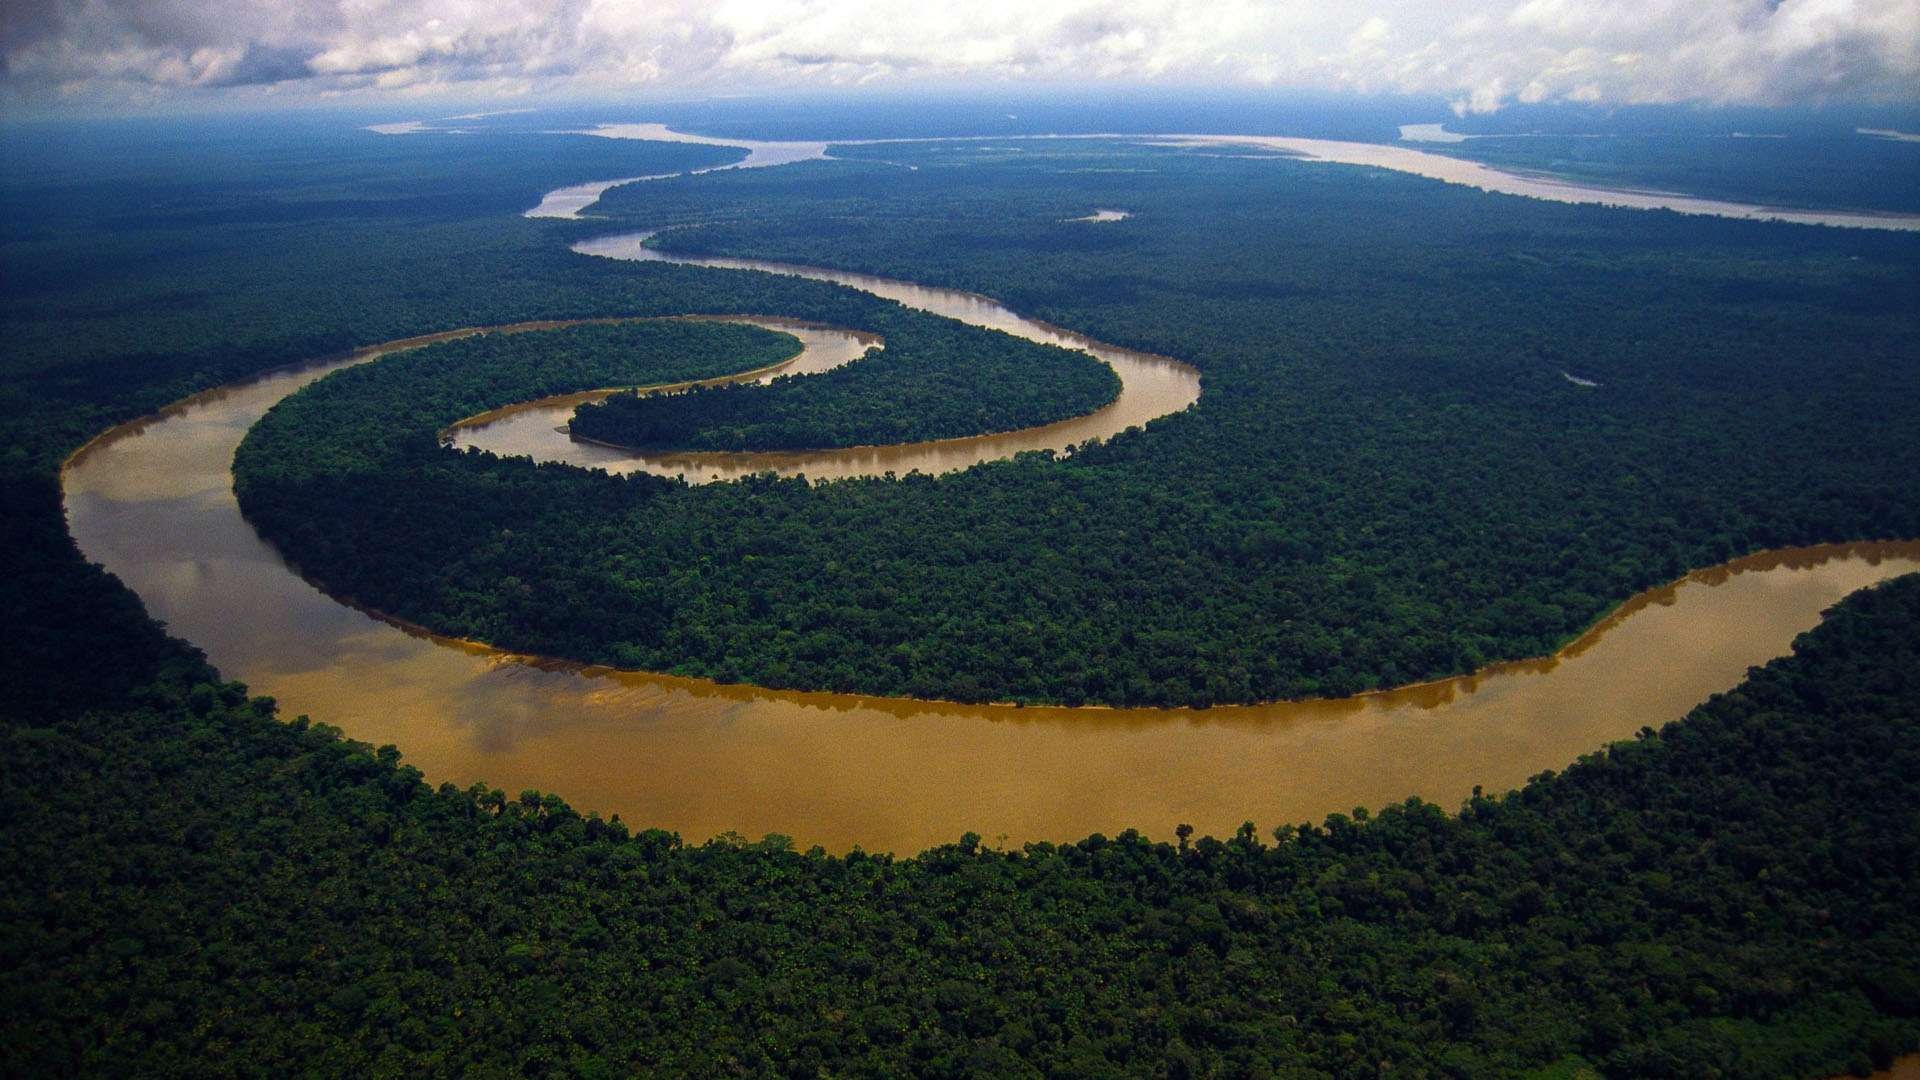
(153, 502)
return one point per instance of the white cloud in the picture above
(1479, 55)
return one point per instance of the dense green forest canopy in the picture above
(1398, 470)
(198, 886)
(195, 886)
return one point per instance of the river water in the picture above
(153, 502)
(535, 428)
(569, 201)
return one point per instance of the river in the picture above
(533, 428)
(153, 502)
(1405, 159)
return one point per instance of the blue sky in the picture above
(1479, 56)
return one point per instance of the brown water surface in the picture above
(153, 502)
(1906, 1068)
(570, 201)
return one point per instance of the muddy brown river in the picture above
(153, 502)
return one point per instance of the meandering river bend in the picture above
(153, 502)
(1150, 387)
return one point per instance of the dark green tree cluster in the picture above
(946, 386)
(196, 887)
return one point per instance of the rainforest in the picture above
(1431, 431)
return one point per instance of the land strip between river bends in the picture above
(1151, 386)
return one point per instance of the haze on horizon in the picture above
(60, 55)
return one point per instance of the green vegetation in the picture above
(948, 385)
(1389, 477)
(380, 451)
(141, 266)
(195, 887)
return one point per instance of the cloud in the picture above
(1479, 55)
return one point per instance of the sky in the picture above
(1478, 55)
